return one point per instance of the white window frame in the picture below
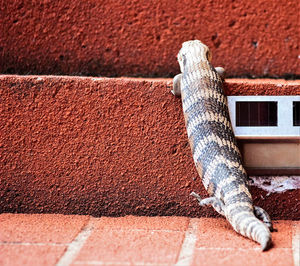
(284, 129)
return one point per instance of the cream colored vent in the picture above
(268, 132)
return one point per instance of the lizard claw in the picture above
(197, 196)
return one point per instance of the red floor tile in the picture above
(218, 233)
(131, 246)
(282, 238)
(14, 255)
(236, 257)
(40, 228)
(146, 223)
(46, 239)
(132, 239)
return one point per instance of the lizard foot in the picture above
(213, 201)
(221, 72)
(261, 214)
(177, 85)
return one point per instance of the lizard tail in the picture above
(248, 225)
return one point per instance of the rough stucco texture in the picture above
(142, 38)
(103, 146)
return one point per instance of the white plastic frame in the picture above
(284, 128)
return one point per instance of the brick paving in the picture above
(53, 239)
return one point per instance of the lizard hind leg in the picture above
(261, 214)
(213, 201)
(177, 85)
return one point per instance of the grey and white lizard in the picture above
(215, 152)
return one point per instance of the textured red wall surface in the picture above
(106, 147)
(142, 38)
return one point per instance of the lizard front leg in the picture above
(221, 71)
(177, 81)
(177, 85)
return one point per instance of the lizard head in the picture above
(193, 52)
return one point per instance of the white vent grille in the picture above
(265, 116)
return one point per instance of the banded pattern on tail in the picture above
(213, 144)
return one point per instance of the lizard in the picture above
(214, 148)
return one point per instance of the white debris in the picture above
(275, 184)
